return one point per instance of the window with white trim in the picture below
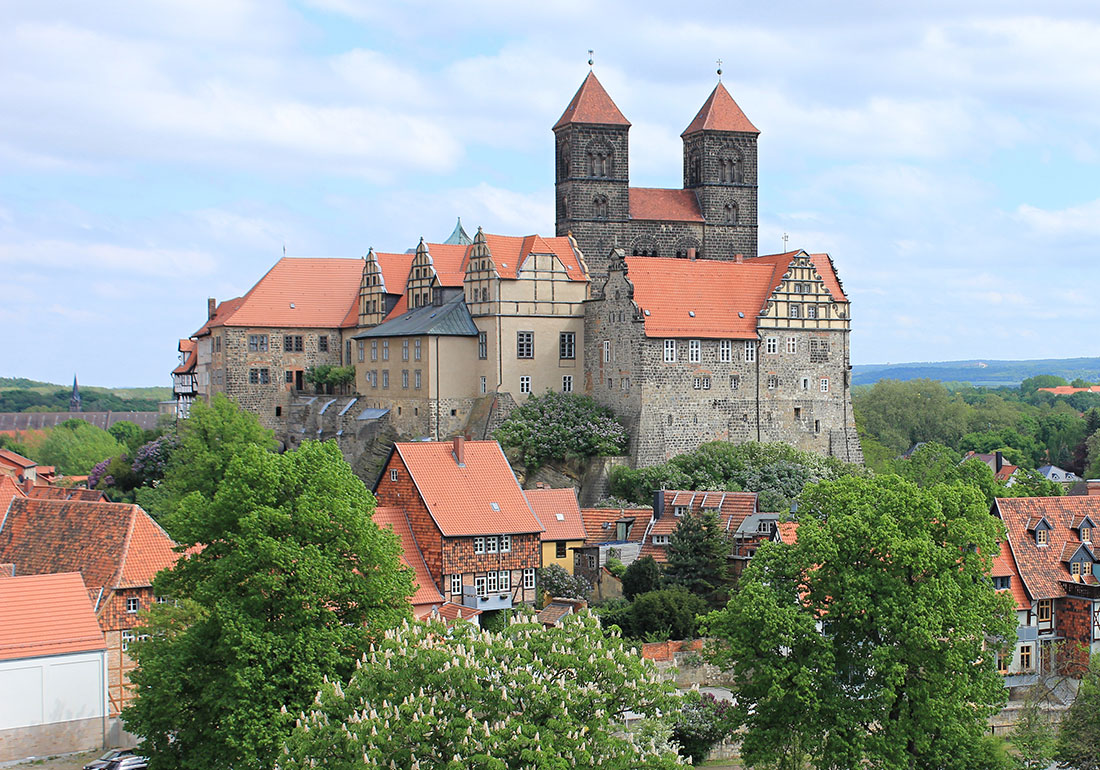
(695, 348)
(792, 344)
(127, 637)
(479, 545)
(773, 344)
(482, 345)
(670, 351)
(481, 586)
(504, 580)
(660, 540)
(393, 474)
(374, 350)
(607, 351)
(525, 383)
(133, 604)
(824, 384)
(492, 583)
(796, 310)
(567, 383)
(505, 543)
(416, 350)
(750, 351)
(484, 385)
(456, 584)
(773, 381)
(735, 382)
(725, 351)
(529, 578)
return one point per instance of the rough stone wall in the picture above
(52, 739)
(365, 444)
(722, 240)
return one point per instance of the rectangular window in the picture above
(374, 350)
(796, 310)
(735, 382)
(484, 385)
(218, 344)
(567, 383)
(529, 578)
(385, 350)
(1075, 568)
(1025, 657)
(559, 549)
(479, 545)
(374, 378)
(792, 344)
(670, 351)
(1086, 534)
(292, 343)
(773, 345)
(257, 343)
(591, 561)
(360, 346)
(750, 351)
(1045, 611)
(773, 381)
(322, 343)
(133, 604)
(127, 637)
(289, 375)
(567, 345)
(811, 311)
(253, 376)
(505, 543)
(1040, 537)
(1002, 662)
(482, 345)
(725, 351)
(456, 584)
(695, 348)
(385, 378)
(607, 351)
(404, 350)
(504, 579)
(525, 344)
(660, 540)
(416, 350)
(405, 379)
(491, 544)
(706, 383)
(416, 379)
(525, 384)
(824, 385)
(1002, 583)
(491, 582)
(481, 586)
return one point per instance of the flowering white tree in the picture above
(426, 696)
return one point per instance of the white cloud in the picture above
(1080, 220)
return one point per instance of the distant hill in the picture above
(18, 394)
(989, 374)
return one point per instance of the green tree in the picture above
(671, 613)
(703, 722)
(557, 582)
(287, 583)
(1079, 733)
(75, 446)
(698, 557)
(1034, 737)
(461, 699)
(1032, 384)
(899, 676)
(901, 414)
(562, 425)
(129, 434)
(642, 576)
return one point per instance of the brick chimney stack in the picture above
(211, 306)
(691, 253)
(460, 450)
(1093, 487)
(739, 259)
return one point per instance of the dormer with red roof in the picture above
(479, 537)
(382, 285)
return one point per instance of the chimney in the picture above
(739, 259)
(460, 450)
(999, 460)
(691, 253)
(28, 486)
(211, 306)
(540, 485)
(658, 503)
(1094, 487)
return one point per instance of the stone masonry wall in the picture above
(51, 739)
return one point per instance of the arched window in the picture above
(599, 207)
(694, 168)
(599, 156)
(563, 158)
(731, 168)
(729, 214)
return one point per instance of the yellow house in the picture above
(560, 515)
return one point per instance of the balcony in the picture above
(1027, 633)
(1024, 679)
(494, 600)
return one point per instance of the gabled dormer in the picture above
(423, 281)
(1039, 528)
(806, 294)
(482, 281)
(1079, 559)
(1084, 527)
(372, 292)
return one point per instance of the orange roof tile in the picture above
(67, 493)
(302, 293)
(1004, 565)
(13, 460)
(1041, 567)
(1068, 390)
(112, 545)
(595, 519)
(224, 310)
(732, 507)
(187, 347)
(788, 532)
(591, 104)
(395, 270)
(426, 590)
(449, 612)
(9, 489)
(481, 497)
(449, 262)
(510, 253)
(720, 113)
(558, 511)
(665, 205)
(47, 615)
(823, 263)
(712, 300)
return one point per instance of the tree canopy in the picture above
(698, 557)
(75, 446)
(425, 696)
(560, 426)
(1078, 743)
(287, 581)
(864, 644)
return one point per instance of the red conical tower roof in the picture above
(591, 104)
(720, 113)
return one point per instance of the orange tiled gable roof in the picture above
(788, 532)
(395, 270)
(1041, 567)
(720, 113)
(732, 507)
(67, 493)
(1004, 565)
(449, 262)
(13, 460)
(511, 252)
(558, 511)
(822, 263)
(592, 105)
(112, 545)
(1068, 390)
(665, 205)
(224, 310)
(187, 347)
(599, 523)
(711, 300)
(426, 590)
(9, 490)
(302, 293)
(47, 615)
(481, 497)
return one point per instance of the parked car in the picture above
(106, 759)
(128, 762)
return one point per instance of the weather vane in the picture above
(785, 239)
(719, 70)
(590, 62)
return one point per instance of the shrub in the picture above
(641, 577)
(703, 721)
(671, 613)
(557, 582)
(555, 426)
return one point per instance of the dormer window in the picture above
(660, 540)
(1041, 537)
(1002, 583)
(1086, 534)
(679, 510)
(1075, 569)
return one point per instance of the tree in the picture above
(75, 446)
(425, 696)
(1034, 736)
(1079, 733)
(641, 576)
(554, 580)
(899, 674)
(1032, 384)
(671, 613)
(129, 434)
(703, 721)
(698, 554)
(287, 582)
(562, 425)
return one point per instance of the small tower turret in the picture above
(74, 399)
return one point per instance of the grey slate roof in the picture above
(451, 319)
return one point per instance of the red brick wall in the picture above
(1074, 619)
(459, 556)
(113, 620)
(665, 650)
(404, 495)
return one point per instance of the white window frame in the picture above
(607, 351)
(567, 383)
(824, 384)
(750, 351)
(456, 584)
(525, 383)
(479, 545)
(127, 637)
(492, 583)
(725, 351)
(670, 351)
(504, 580)
(795, 310)
(792, 344)
(695, 351)
(484, 385)
(567, 345)
(393, 474)
(529, 578)
(735, 382)
(505, 543)
(660, 540)
(525, 344)
(133, 604)
(481, 586)
(491, 544)
(772, 345)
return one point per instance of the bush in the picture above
(555, 426)
(671, 613)
(641, 577)
(703, 721)
(615, 567)
(557, 582)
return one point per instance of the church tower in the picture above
(720, 166)
(74, 399)
(592, 172)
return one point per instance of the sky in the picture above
(154, 153)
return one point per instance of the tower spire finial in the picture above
(719, 70)
(591, 61)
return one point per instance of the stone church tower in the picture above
(714, 216)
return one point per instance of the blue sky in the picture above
(153, 154)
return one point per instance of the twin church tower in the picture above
(714, 216)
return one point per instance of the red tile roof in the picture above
(449, 262)
(302, 293)
(510, 253)
(1067, 390)
(732, 507)
(823, 263)
(1041, 567)
(47, 615)
(481, 497)
(1004, 565)
(715, 292)
(720, 113)
(187, 347)
(67, 493)
(591, 104)
(395, 270)
(223, 311)
(558, 511)
(13, 460)
(112, 545)
(665, 205)
(426, 591)
(596, 518)
(450, 612)
(9, 489)
(788, 532)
